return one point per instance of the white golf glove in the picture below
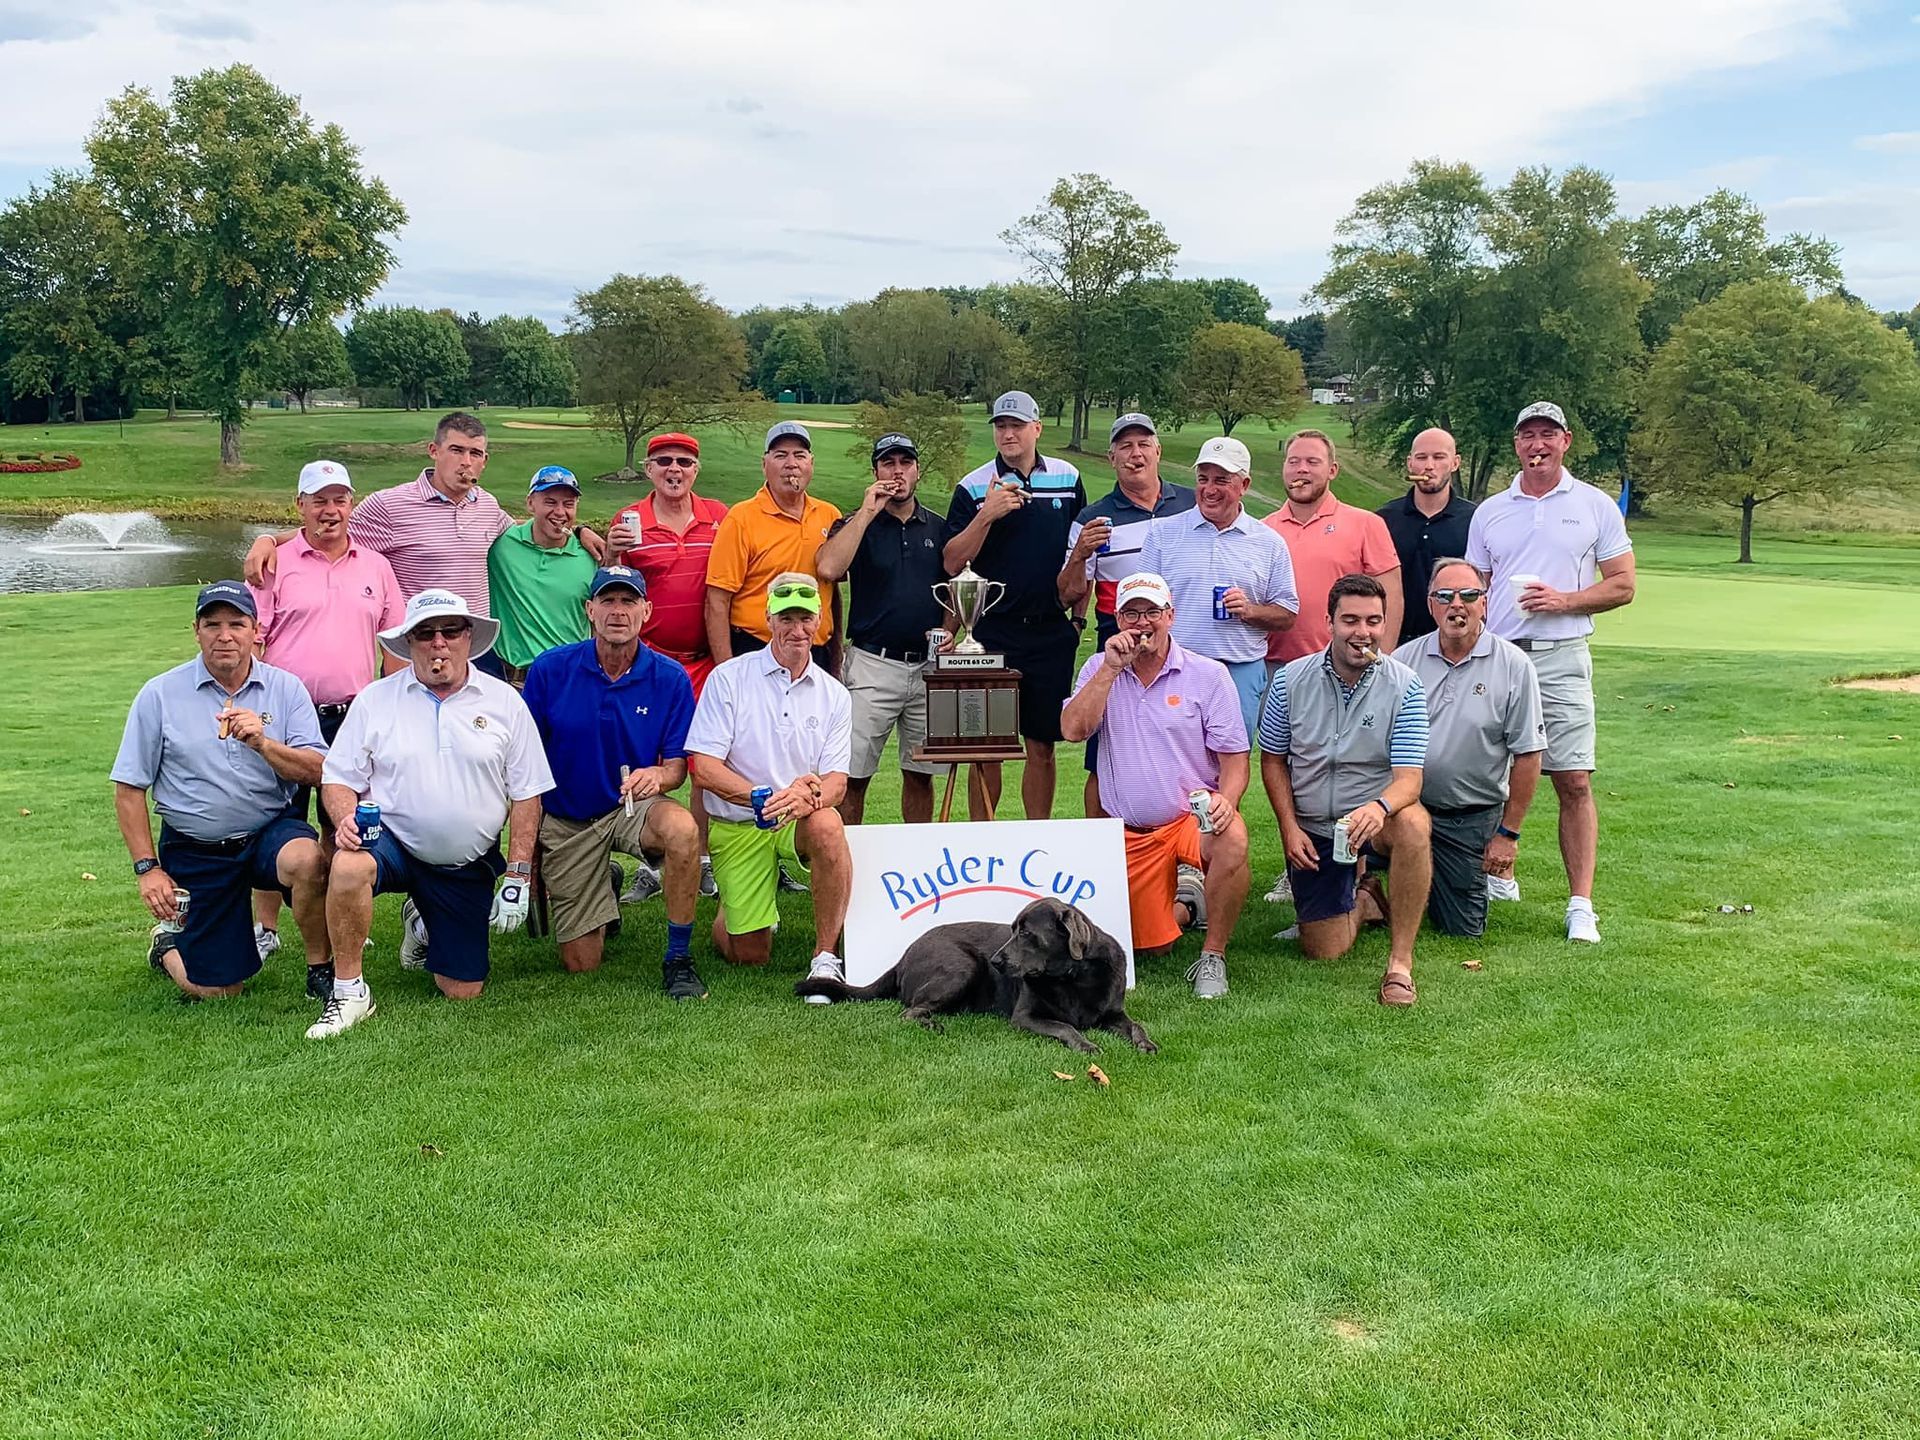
(509, 905)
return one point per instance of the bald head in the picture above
(1432, 461)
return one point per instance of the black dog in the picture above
(1052, 971)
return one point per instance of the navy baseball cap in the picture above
(1134, 421)
(226, 592)
(553, 477)
(608, 576)
(891, 442)
(1015, 405)
(789, 428)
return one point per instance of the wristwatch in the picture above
(1509, 834)
(1079, 622)
(1381, 802)
(521, 868)
(141, 867)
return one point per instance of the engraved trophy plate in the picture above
(973, 714)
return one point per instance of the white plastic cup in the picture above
(1520, 583)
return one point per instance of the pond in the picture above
(119, 551)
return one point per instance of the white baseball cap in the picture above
(431, 605)
(1226, 452)
(320, 474)
(1143, 585)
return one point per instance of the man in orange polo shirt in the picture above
(779, 529)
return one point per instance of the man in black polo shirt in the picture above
(1010, 520)
(890, 550)
(1428, 523)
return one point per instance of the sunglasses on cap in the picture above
(668, 462)
(451, 631)
(1467, 596)
(794, 590)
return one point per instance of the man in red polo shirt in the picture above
(668, 538)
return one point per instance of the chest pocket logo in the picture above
(1366, 721)
(479, 722)
(1480, 689)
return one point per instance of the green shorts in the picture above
(746, 868)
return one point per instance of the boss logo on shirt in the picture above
(813, 722)
(1570, 520)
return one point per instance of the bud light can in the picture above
(366, 819)
(760, 795)
(1201, 803)
(179, 921)
(1220, 602)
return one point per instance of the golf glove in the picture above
(509, 906)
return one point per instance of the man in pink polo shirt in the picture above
(1169, 725)
(320, 608)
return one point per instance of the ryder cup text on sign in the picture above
(1030, 876)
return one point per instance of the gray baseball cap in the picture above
(1015, 405)
(1133, 421)
(1541, 410)
(789, 428)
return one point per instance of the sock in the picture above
(356, 988)
(270, 929)
(1579, 902)
(679, 940)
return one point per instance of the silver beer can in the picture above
(1201, 803)
(936, 637)
(1342, 851)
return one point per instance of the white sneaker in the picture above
(265, 942)
(1292, 932)
(1502, 887)
(826, 966)
(1190, 889)
(342, 1012)
(413, 937)
(1282, 891)
(646, 885)
(1582, 925)
(709, 887)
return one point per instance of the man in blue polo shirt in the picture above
(223, 742)
(613, 716)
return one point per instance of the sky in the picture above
(780, 153)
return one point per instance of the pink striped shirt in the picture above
(430, 541)
(319, 617)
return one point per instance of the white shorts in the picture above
(1566, 703)
(885, 693)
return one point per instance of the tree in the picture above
(311, 356)
(483, 355)
(1141, 342)
(1906, 323)
(934, 425)
(794, 360)
(1234, 371)
(416, 352)
(259, 219)
(1764, 394)
(1237, 302)
(923, 342)
(63, 292)
(654, 353)
(1086, 241)
(1306, 336)
(531, 365)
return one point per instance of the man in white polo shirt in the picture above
(450, 755)
(1558, 554)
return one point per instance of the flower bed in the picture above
(37, 464)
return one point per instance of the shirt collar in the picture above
(1481, 647)
(1001, 467)
(1242, 521)
(203, 677)
(1563, 484)
(770, 664)
(1329, 506)
(424, 485)
(300, 545)
(771, 506)
(414, 682)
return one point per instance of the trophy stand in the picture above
(973, 699)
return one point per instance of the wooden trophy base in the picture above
(973, 716)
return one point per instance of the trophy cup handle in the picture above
(943, 592)
(995, 589)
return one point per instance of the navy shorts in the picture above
(455, 902)
(330, 724)
(1043, 654)
(1326, 893)
(220, 876)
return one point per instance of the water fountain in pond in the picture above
(128, 532)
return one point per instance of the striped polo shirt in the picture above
(1023, 548)
(1122, 556)
(430, 541)
(1193, 555)
(675, 569)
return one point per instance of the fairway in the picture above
(1694, 612)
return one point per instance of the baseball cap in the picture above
(1541, 410)
(431, 605)
(320, 474)
(1226, 452)
(1015, 405)
(1143, 585)
(227, 592)
(610, 575)
(673, 437)
(1132, 421)
(793, 590)
(786, 428)
(553, 477)
(890, 442)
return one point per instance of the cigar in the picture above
(438, 666)
(1373, 656)
(1536, 462)
(627, 799)
(226, 727)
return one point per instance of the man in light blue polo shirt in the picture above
(613, 716)
(222, 742)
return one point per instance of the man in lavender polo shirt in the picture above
(1169, 724)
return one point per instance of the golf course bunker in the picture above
(540, 425)
(1897, 684)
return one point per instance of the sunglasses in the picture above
(1467, 596)
(669, 462)
(793, 590)
(425, 633)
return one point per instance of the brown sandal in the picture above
(1397, 990)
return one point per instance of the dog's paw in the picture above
(1146, 1047)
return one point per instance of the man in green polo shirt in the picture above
(539, 573)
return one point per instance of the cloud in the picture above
(1893, 142)
(23, 24)
(206, 26)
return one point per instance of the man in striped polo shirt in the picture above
(1343, 740)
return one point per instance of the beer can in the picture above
(760, 795)
(1201, 803)
(936, 637)
(1220, 602)
(179, 921)
(366, 819)
(1342, 851)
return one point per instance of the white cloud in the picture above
(1894, 142)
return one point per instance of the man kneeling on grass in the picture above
(771, 741)
(1343, 736)
(1170, 726)
(223, 742)
(450, 755)
(613, 718)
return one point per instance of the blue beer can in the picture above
(366, 819)
(1220, 602)
(760, 795)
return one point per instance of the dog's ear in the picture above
(1082, 939)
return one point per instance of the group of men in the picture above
(548, 689)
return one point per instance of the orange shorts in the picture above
(1152, 858)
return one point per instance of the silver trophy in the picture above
(968, 596)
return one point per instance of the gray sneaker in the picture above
(1282, 891)
(266, 942)
(646, 885)
(1209, 975)
(791, 885)
(709, 887)
(413, 940)
(1190, 890)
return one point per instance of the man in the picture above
(1428, 522)
(1218, 544)
(1558, 554)
(223, 742)
(778, 530)
(538, 573)
(1485, 736)
(1010, 519)
(450, 755)
(1343, 738)
(890, 549)
(1103, 547)
(1172, 726)
(613, 719)
(321, 609)
(773, 719)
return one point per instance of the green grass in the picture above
(1664, 1188)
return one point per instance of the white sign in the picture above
(909, 878)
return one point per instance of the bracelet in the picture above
(1509, 834)
(1079, 622)
(519, 867)
(1386, 808)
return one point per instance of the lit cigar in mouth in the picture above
(1372, 656)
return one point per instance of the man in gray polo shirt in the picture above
(1485, 737)
(1558, 554)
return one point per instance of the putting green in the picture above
(1692, 612)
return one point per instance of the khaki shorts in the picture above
(1566, 702)
(573, 865)
(885, 693)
